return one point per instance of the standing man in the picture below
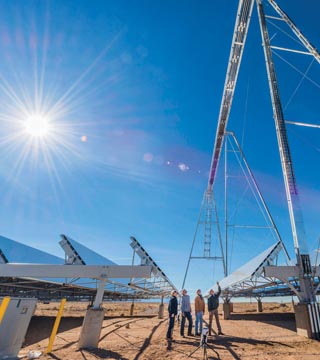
(213, 304)
(173, 310)
(185, 313)
(199, 307)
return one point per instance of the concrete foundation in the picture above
(227, 308)
(302, 320)
(91, 329)
(231, 307)
(259, 306)
(161, 311)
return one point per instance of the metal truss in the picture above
(305, 42)
(239, 39)
(300, 279)
(238, 42)
(250, 278)
(77, 280)
(158, 284)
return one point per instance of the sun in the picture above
(37, 125)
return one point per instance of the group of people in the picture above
(199, 309)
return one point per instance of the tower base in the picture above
(308, 320)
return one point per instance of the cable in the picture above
(245, 114)
(304, 139)
(295, 68)
(284, 32)
(299, 84)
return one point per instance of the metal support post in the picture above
(132, 308)
(259, 305)
(56, 326)
(99, 296)
(161, 309)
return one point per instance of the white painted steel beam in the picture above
(72, 271)
(303, 124)
(291, 50)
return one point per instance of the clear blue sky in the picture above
(133, 89)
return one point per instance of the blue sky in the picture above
(133, 89)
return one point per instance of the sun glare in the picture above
(37, 125)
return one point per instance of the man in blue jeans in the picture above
(185, 313)
(199, 308)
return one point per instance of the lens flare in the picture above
(37, 125)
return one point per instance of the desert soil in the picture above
(248, 335)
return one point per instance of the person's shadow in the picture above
(230, 343)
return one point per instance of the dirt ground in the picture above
(248, 335)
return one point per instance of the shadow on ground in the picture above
(231, 343)
(283, 320)
(40, 327)
(102, 354)
(148, 340)
(216, 344)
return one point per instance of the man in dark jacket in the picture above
(173, 311)
(213, 304)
